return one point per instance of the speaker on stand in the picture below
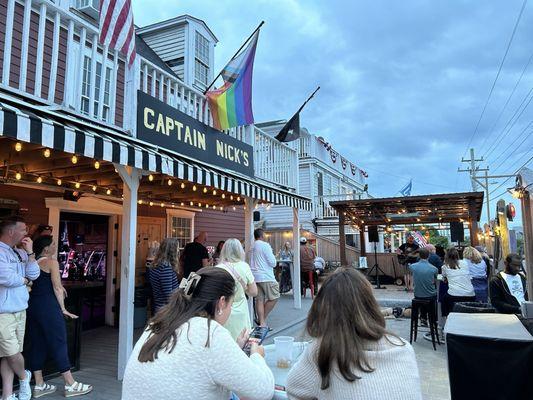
(373, 237)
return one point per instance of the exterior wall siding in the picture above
(61, 66)
(3, 16)
(32, 52)
(47, 57)
(119, 107)
(16, 47)
(220, 226)
(169, 44)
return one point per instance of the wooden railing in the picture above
(322, 207)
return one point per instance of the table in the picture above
(490, 356)
(281, 374)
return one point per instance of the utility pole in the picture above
(473, 169)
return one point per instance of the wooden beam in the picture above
(527, 223)
(342, 239)
(362, 240)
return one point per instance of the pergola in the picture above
(412, 210)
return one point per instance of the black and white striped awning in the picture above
(27, 123)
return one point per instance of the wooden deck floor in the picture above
(98, 365)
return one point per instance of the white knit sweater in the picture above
(193, 371)
(395, 376)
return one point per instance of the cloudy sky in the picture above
(403, 82)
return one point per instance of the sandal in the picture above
(77, 389)
(43, 390)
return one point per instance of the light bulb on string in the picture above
(191, 203)
(182, 185)
(199, 204)
(205, 190)
(18, 176)
(59, 182)
(231, 197)
(96, 165)
(150, 178)
(139, 201)
(223, 196)
(74, 159)
(194, 188)
(207, 206)
(238, 198)
(162, 205)
(221, 208)
(169, 182)
(39, 179)
(234, 208)
(214, 192)
(94, 188)
(108, 191)
(151, 203)
(46, 153)
(182, 204)
(77, 185)
(18, 146)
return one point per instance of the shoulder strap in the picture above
(236, 275)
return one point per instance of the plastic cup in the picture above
(283, 346)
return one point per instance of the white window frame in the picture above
(201, 58)
(109, 64)
(180, 214)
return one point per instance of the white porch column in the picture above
(53, 221)
(392, 242)
(249, 203)
(381, 244)
(131, 178)
(296, 284)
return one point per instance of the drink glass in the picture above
(283, 346)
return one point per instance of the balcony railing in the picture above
(322, 208)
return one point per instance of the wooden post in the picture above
(342, 237)
(473, 224)
(131, 178)
(249, 203)
(362, 241)
(527, 223)
(296, 284)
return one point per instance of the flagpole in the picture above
(308, 99)
(235, 55)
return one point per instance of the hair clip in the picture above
(188, 285)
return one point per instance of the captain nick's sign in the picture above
(170, 129)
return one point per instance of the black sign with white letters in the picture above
(168, 128)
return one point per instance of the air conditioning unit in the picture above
(89, 7)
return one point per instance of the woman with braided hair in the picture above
(186, 353)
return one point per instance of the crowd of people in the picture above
(33, 299)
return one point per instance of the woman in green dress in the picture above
(232, 260)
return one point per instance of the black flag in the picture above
(291, 130)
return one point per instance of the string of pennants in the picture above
(344, 162)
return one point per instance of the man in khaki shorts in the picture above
(17, 268)
(262, 263)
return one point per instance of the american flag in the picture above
(116, 27)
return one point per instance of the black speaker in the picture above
(373, 235)
(257, 216)
(71, 195)
(457, 231)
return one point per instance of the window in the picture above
(202, 49)
(107, 97)
(86, 85)
(320, 183)
(180, 225)
(98, 83)
(201, 62)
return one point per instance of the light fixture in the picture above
(223, 196)
(199, 204)
(221, 208)
(234, 208)
(150, 177)
(182, 204)
(207, 206)
(191, 203)
(97, 165)
(18, 176)
(162, 204)
(18, 146)
(139, 202)
(205, 190)
(74, 159)
(173, 205)
(108, 191)
(169, 182)
(231, 197)
(194, 188)
(77, 185)
(238, 198)
(182, 185)
(39, 179)
(59, 181)
(151, 203)
(214, 192)
(46, 153)
(94, 188)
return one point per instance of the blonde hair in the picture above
(168, 253)
(472, 254)
(232, 251)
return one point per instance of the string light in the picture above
(234, 208)
(97, 165)
(238, 198)
(194, 188)
(94, 188)
(108, 191)
(39, 180)
(223, 196)
(18, 146)
(162, 204)
(140, 202)
(182, 204)
(77, 185)
(199, 204)
(182, 185)
(205, 190)
(150, 177)
(214, 192)
(231, 197)
(151, 203)
(191, 203)
(74, 159)
(46, 153)
(59, 182)
(221, 208)
(18, 176)
(173, 205)
(169, 182)
(207, 206)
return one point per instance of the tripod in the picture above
(376, 269)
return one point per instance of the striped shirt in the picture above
(164, 281)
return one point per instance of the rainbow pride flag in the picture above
(231, 105)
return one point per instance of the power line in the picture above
(505, 181)
(497, 76)
(503, 132)
(516, 148)
(404, 178)
(507, 102)
(514, 141)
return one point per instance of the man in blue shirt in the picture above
(424, 277)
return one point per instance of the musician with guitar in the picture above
(408, 254)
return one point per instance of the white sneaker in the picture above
(25, 388)
(12, 397)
